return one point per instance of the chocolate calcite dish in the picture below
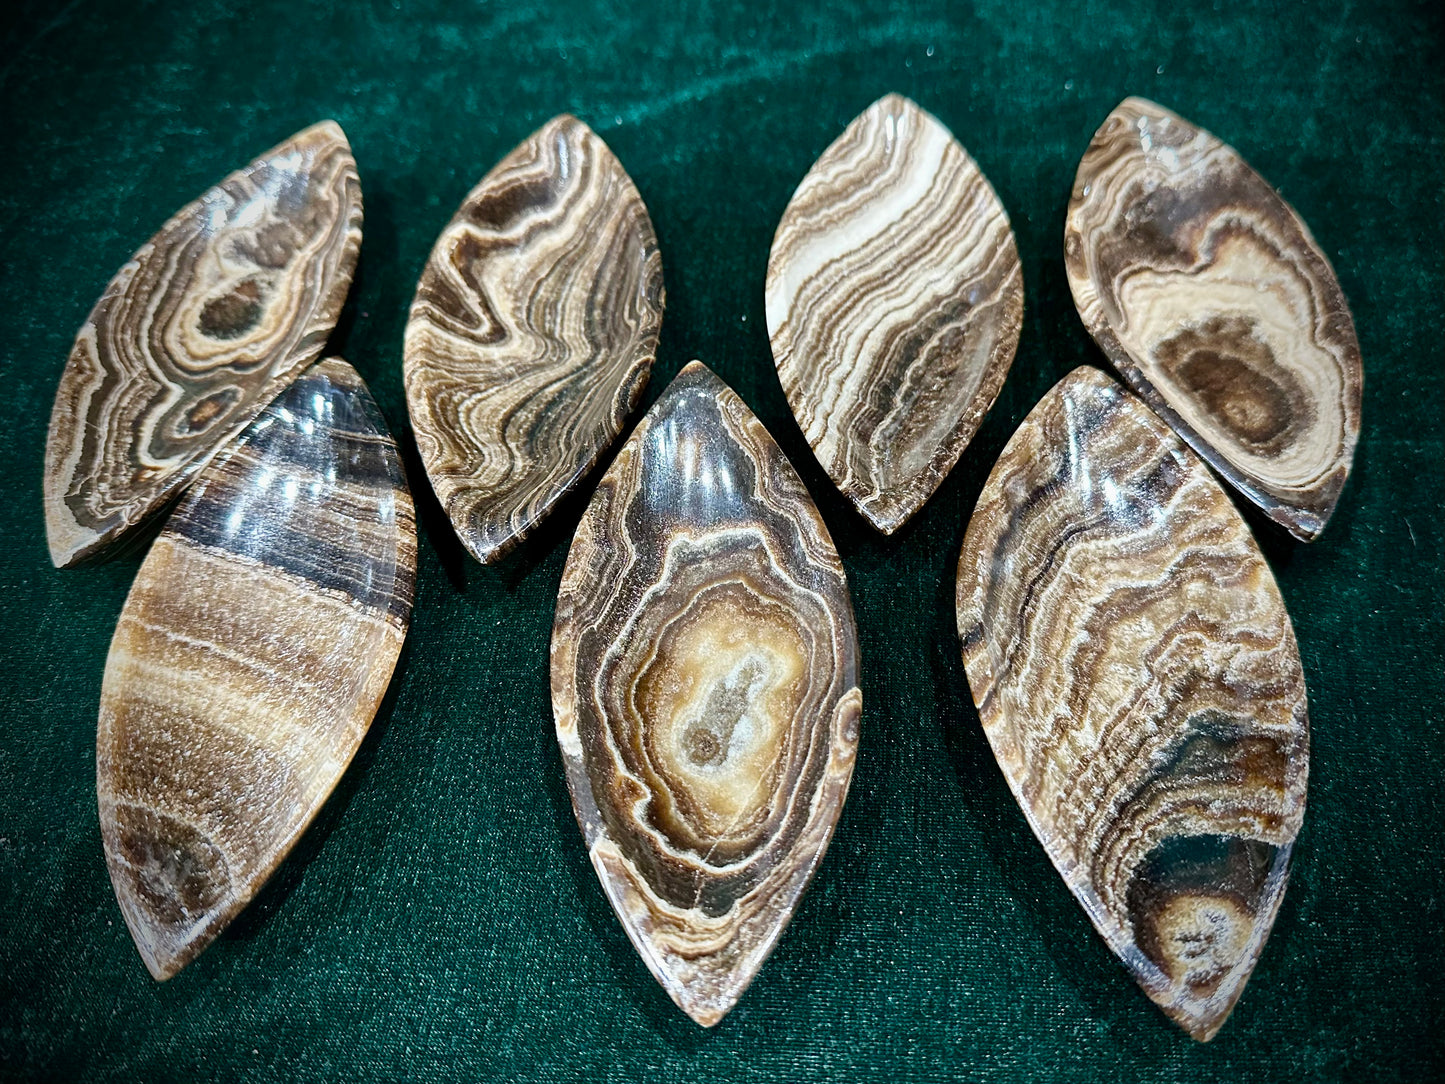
(894, 302)
(705, 688)
(532, 333)
(1207, 292)
(213, 317)
(252, 653)
(1137, 677)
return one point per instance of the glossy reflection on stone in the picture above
(1137, 676)
(196, 334)
(894, 302)
(252, 653)
(532, 334)
(705, 686)
(1208, 293)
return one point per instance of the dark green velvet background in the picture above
(440, 920)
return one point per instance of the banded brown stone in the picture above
(1138, 679)
(894, 303)
(213, 317)
(253, 651)
(532, 333)
(1210, 296)
(705, 687)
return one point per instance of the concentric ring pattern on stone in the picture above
(894, 302)
(705, 686)
(1207, 292)
(196, 334)
(250, 658)
(532, 333)
(1137, 676)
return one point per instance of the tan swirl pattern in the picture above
(532, 333)
(250, 658)
(1138, 679)
(705, 686)
(1207, 292)
(894, 302)
(216, 314)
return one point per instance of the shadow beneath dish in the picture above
(629, 973)
(432, 521)
(1067, 936)
(291, 870)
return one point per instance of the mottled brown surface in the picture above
(532, 334)
(251, 655)
(213, 316)
(894, 302)
(705, 686)
(1138, 679)
(1208, 293)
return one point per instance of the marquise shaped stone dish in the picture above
(253, 651)
(1138, 679)
(203, 327)
(532, 333)
(705, 687)
(894, 303)
(1210, 296)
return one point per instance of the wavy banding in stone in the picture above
(1208, 293)
(894, 302)
(704, 681)
(532, 333)
(216, 314)
(1138, 679)
(250, 658)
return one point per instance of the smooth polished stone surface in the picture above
(250, 658)
(894, 302)
(1208, 293)
(213, 316)
(705, 687)
(532, 334)
(1137, 676)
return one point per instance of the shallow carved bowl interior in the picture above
(1138, 679)
(704, 680)
(1210, 295)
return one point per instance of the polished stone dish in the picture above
(532, 333)
(1207, 292)
(1138, 679)
(705, 686)
(251, 655)
(196, 334)
(894, 302)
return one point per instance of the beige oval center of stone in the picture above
(1198, 938)
(718, 699)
